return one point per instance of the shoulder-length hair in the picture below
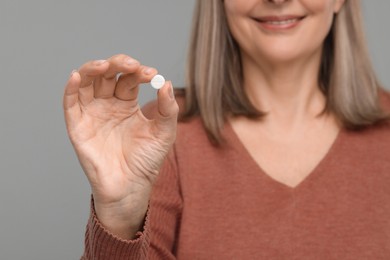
(214, 71)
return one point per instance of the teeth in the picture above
(282, 22)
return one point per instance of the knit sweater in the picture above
(217, 203)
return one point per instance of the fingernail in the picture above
(171, 94)
(71, 74)
(131, 61)
(99, 62)
(148, 71)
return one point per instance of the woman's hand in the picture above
(119, 149)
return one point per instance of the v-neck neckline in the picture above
(314, 174)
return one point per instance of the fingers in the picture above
(88, 73)
(98, 79)
(121, 64)
(128, 84)
(71, 99)
(168, 109)
(105, 85)
(90, 70)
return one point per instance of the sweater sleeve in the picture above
(157, 240)
(101, 244)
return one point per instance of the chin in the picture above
(281, 55)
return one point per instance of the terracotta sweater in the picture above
(217, 203)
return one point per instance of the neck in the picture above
(288, 91)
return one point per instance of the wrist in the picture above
(123, 222)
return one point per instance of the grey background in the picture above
(44, 196)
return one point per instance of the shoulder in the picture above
(384, 98)
(370, 145)
(377, 135)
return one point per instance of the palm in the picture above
(123, 144)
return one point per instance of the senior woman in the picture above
(281, 151)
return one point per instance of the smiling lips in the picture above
(279, 22)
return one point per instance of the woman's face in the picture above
(280, 30)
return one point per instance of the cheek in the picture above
(322, 13)
(238, 10)
(237, 6)
(323, 9)
(318, 6)
(235, 11)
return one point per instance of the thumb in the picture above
(168, 109)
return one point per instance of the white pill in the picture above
(157, 81)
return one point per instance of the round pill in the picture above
(157, 81)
